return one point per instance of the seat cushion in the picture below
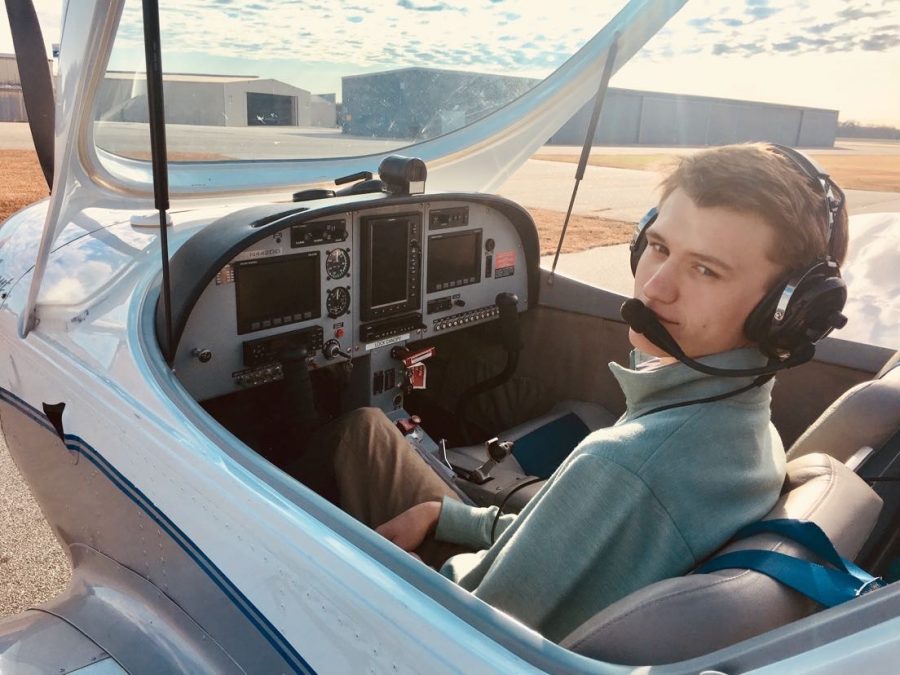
(681, 618)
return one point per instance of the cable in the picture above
(758, 382)
(518, 487)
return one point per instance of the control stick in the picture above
(511, 341)
(298, 390)
(497, 451)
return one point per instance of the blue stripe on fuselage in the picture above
(260, 622)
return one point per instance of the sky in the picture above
(836, 54)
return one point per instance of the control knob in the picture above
(332, 348)
(202, 355)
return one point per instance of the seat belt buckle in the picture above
(871, 585)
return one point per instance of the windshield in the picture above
(285, 80)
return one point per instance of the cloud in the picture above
(702, 24)
(409, 4)
(776, 27)
(854, 13)
(798, 43)
(822, 28)
(881, 42)
(759, 13)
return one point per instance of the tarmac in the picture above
(33, 567)
(627, 194)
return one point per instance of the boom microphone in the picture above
(642, 320)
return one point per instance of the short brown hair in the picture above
(755, 178)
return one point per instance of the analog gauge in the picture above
(337, 263)
(338, 301)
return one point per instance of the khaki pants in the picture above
(362, 463)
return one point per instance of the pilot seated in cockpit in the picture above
(739, 229)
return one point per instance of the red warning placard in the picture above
(504, 259)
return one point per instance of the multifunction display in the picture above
(391, 264)
(278, 291)
(454, 260)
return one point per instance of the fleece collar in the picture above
(648, 387)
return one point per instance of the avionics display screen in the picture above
(391, 260)
(389, 264)
(278, 291)
(454, 260)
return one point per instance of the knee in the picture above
(361, 431)
(366, 418)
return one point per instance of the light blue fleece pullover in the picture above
(643, 500)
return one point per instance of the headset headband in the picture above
(834, 196)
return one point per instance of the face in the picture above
(703, 271)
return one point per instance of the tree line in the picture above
(857, 130)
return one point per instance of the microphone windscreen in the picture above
(636, 314)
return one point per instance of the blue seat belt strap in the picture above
(826, 586)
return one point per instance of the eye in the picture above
(706, 272)
(658, 248)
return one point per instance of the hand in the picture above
(409, 529)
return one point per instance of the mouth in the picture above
(659, 317)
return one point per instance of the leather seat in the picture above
(867, 415)
(685, 617)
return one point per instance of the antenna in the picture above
(588, 141)
(153, 54)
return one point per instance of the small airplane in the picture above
(152, 314)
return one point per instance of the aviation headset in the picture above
(804, 306)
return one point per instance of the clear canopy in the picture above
(289, 80)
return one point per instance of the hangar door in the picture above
(271, 109)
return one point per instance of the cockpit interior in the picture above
(294, 317)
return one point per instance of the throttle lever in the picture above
(497, 451)
(509, 320)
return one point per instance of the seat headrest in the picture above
(889, 365)
(865, 415)
(688, 616)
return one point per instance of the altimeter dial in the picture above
(338, 301)
(337, 263)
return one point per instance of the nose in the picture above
(662, 285)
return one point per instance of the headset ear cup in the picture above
(639, 240)
(816, 302)
(812, 316)
(760, 319)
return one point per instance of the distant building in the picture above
(12, 103)
(214, 100)
(418, 103)
(649, 118)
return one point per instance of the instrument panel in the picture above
(350, 287)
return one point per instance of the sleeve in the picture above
(596, 535)
(470, 525)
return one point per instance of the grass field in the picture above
(23, 182)
(853, 172)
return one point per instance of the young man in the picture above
(653, 495)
